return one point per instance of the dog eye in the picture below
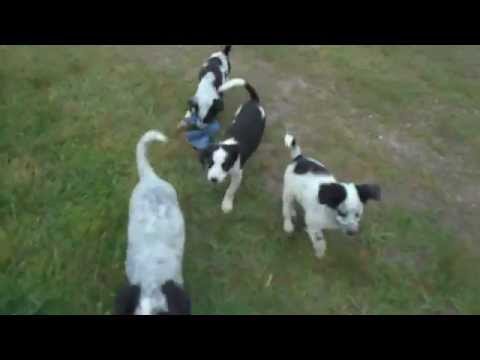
(357, 215)
(341, 213)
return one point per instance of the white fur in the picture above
(262, 111)
(231, 84)
(156, 233)
(303, 188)
(205, 94)
(235, 172)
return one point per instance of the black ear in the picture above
(127, 300)
(332, 195)
(178, 300)
(369, 192)
(233, 153)
(204, 155)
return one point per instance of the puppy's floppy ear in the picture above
(127, 300)
(178, 300)
(369, 192)
(332, 194)
(233, 153)
(203, 156)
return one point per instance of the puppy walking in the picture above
(156, 237)
(244, 136)
(328, 204)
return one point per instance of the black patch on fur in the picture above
(127, 300)
(252, 92)
(247, 129)
(369, 192)
(213, 66)
(227, 49)
(332, 195)
(215, 109)
(205, 156)
(178, 300)
(304, 165)
(232, 151)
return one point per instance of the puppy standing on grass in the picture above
(328, 204)
(156, 237)
(229, 156)
(207, 102)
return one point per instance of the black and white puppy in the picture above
(328, 204)
(207, 102)
(156, 237)
(229, 156)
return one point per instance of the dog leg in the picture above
(288, 212)
(318, 242)
(227, 203)
(182, 122)
(316, 235)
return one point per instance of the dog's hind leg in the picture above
(236, 180)
(288, 211)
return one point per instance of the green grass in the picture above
(69, 121)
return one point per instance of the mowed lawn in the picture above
(407, 118)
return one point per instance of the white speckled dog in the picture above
(156, 237)
(328, 203)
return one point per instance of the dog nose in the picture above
(214, 180)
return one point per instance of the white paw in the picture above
(227, 206)
(182, 124)
(320, 249)
(288, 226)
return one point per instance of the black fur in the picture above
(215, 109)
(304, 165)
(192, 105)
(332, 195)
(205, 156)
(227, 49)
(247, 129)
(233, 152)
(178, 300)
(127, 300)
(252, 92)
(213, 65)
(368, 192)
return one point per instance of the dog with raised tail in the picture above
(328, 203)
(228, 157)
(156, 238)
(207, 102)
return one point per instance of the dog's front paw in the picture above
(182, 124)
(288, 226)
(227, 206)
(320, 249)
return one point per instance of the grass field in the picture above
(405, 117)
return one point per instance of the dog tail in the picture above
(291, 143)
(240, 82)
(144, 167)
(226, 49)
